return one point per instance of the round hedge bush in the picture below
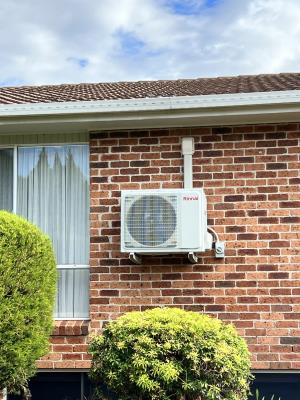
(27, 292)
(168, 353)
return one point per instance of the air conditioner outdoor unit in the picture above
(164, 221)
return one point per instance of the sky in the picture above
(75, 41)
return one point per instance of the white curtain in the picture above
(53, 192)
(72, 299)
(6, 179)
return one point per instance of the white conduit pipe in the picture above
(188, 149)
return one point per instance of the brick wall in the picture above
(250, 175)
(68, 347)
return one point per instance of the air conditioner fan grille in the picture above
(151, 220)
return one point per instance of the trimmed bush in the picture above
(170, 354)
(27, 293)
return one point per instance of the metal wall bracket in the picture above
(135, 258)
(193, 259)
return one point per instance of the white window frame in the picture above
(14, 209)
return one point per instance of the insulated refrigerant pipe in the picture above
(188, 149)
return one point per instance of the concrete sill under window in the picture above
(71, 327)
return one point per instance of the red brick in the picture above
(275, 166)
(109, 293)
(280, 243)
(289, 204)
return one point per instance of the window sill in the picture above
(71, 327)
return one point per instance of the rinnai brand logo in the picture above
(191, 198)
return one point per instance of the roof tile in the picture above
(149, 89)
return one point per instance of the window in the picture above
(283, 385)
(6, 179)
(59, 386)
(49, 185)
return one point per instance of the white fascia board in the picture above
(150, 113)
(160, 104)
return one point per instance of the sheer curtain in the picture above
(53, 192)
(6, 179)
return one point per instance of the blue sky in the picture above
(73, 41)
(191, 7)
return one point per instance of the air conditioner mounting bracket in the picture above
(133, 257)
(193, 259)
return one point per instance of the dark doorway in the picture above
(59, 386)
(285, 386)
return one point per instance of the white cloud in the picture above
(43, 42)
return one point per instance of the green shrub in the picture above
(27, 291)
(171, 354)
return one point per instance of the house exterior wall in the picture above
(250, 175)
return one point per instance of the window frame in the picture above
(15, 148)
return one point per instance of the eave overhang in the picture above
(183, 111)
